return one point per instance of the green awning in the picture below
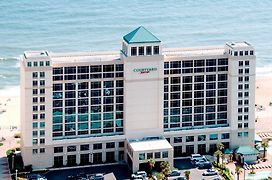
(247, 150)
(228, 151)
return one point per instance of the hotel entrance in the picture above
(141, 150)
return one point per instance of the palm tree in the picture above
(151, 163)
(160, 176)
(265, 146)
(187, 174)
(165, 167)
(238, 171)
(218, 153)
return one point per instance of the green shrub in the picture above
(1, 144)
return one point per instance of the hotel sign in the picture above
(144, 70)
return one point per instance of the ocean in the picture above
(98, 25)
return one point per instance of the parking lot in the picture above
(111, 172)
(121, 171)
(196, 174)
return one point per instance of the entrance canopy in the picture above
(141, 150)
(149, 144)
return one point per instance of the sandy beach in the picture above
(263, 98)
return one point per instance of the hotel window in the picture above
(156, 50)
(34, 133)
(35, 100)
(246, 53)
(148, 50)
(42, 141)
(157, 155)
(240, 110)
(177, 139)
(245, 117)
(42, 82)
(245, 125)
(213, 136)
(165, 154)
(35, 83)
(240, 134)
(247, 63)
(42, 132)
(34, 141)
(241, 63)
(71, 148)
(42, 150)
(133, 51)
(84, 147)
(41, 63)
(47, 63)
(247, 71)
(245, 134)
(235, 53)
(35, 108)
(42, 99)
(251, 53)
(240, 86)
(141, 51)
(141, 156)
(190, 138)
(34, 151)
(225, 136)
(29, 64)
(35, 91)
(58, 149)
(246, 78)
(42, 74)
(240, 94)
(246, 86)
(34, 75)
(149, 155)
(42, 91)
(246, 94)
(110, 145)
(246, 102)
(35, 63)
(240, 126)
(240, 118)
(240, 71)
(97, 146)
(241, 53)
(246, 109)
(201, 137)
(121, 144)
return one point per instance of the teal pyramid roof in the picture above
(140, 35)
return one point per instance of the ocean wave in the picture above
(9, 58)
(10, 91)
(264, 71)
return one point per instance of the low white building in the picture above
(142, 102)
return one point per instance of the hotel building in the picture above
(140, 103)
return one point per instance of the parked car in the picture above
(180, 178)
(98, 176)
(36, 177)
(210, 172)
(174, 173)
(205, 165)
(139, 175)
(195, 156)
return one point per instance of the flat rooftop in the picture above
(150, 145)
(75, 57)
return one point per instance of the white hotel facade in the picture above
(140, 103)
